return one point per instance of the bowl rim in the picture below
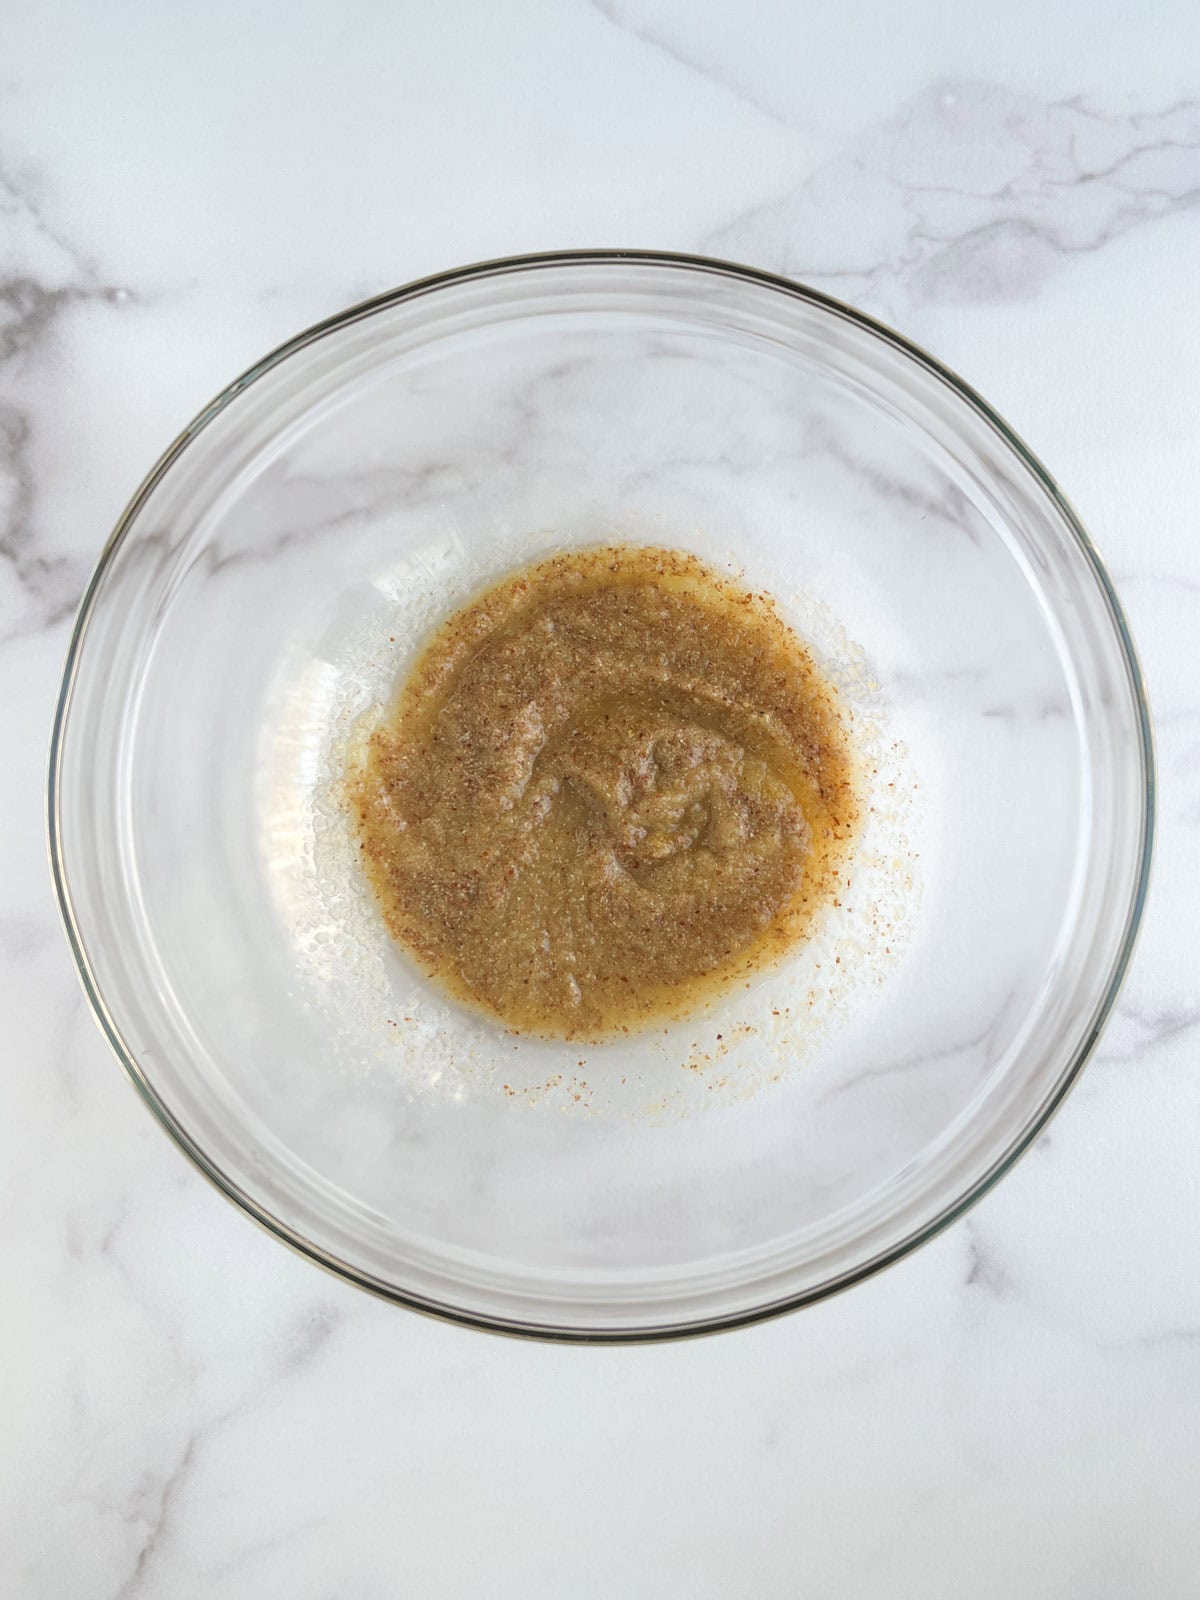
(497, 268)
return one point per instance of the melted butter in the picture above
(613, 784)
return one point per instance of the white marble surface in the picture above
(189, 1411)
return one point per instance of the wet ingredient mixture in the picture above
(614, 784)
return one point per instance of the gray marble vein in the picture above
(156, 1519)
(44, 278)
(975, 194)
(985, 1271)
(1149, 1029)
(48, 586)
(658, 38)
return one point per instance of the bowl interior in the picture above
(270, 585)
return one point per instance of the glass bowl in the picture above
(258, 602)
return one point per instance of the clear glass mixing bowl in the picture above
(264, 591)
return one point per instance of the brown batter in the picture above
(614, 783)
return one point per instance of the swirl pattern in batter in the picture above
(613, 784)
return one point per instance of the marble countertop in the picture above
(187, 1409)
